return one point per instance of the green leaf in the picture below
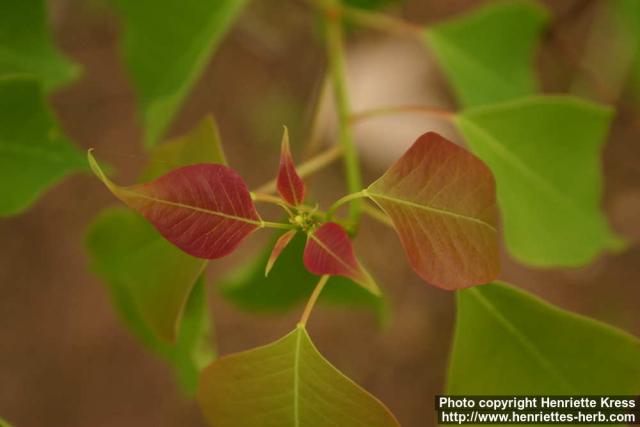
(33, 152)
(508, 342)
(286, 383)
(26, 46)
(488, 54)
(289, 284)
(545, 155)
(166, 46)
(201, 145)
(3, 423)
(153, 286)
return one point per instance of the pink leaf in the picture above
(442, 201)
(329, 251)
(281, 243)
(204, 209)
(290, 185)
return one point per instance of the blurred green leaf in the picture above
(615, 41)
(166, 46)
(545, 155)
(289, 284)
(201, 145)
(488, 54)
(508, 342)
(33, 152)
(26, 46)
(3, 423)
(286, 383)
(154, 286)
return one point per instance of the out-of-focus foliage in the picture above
(132, 258)
(289, 284)
(33, 152)
(509, 342)
(288, 383)
(488, 54)
(166, 45)
(614, 41)
(26, 47)
(545, 154)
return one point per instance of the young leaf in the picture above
(166, 45)
(200, 145)
(290, 284)
(154, 287)
(488, 54)
(509, 342)
(205, 209)
(280, 245)
(545, 154)
(290, 185)
(33, 152)
(286, 383)
(329, 251)
(442, 202)
(26, 45)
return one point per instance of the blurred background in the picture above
(65, 357)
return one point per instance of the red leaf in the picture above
(290, 185)
(281, 243)
(204, 209)
(442, 201)
(329, 251)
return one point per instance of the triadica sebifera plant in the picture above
(518, 178)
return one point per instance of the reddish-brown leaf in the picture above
(204, 209)
(290, 185)
(281, 243)
(442, 201)
(329, 251)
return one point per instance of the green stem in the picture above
(336, 55)
(436, 112)
(312, 300)
(267, 198)
(281, 226)
(348, 198)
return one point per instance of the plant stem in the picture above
(345, 199)
(377, 214)
(312, 300)
(307, 168)
(373, 20)
(335, 53)
(418, 109)
(281, 226)
(267, 198)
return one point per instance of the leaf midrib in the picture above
(526, 343)
(429, 209)
(259, 223)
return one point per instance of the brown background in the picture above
(66, 359)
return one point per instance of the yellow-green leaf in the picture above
(545, 153)
(286, 383)
(488, 54)
(153, 286)
(200, 145)
(508, 342)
